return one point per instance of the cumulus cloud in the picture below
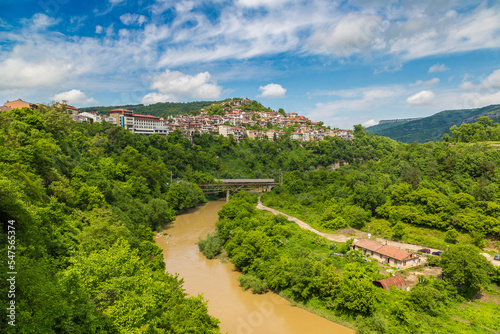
(486, 93)
(18, 72)
(174, 85)
(152, 98)
(370, 122)
(422, 98)
(42, 21)
(473, 100)
(74, 96)
(99, 29)
(492, 81)
(272, 90)
(353, 33)
(438, 68)
(133, 19)
(426, 84)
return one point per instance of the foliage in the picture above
(466, 269)
(210, 246)
(252, 282)
(84, 199)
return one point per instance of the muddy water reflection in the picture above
(240, 312)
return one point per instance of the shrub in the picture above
(252, 282)
(211, 246)
(451, 236)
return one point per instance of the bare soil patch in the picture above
(411, 277)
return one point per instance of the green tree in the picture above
(466, 269)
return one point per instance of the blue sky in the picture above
(341, 62)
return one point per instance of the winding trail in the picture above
(344, 237)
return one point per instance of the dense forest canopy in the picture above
(85, 198)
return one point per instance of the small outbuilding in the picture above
(386, 283)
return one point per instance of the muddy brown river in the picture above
(239, 312)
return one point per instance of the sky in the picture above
(340, 62)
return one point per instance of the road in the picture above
(345, 237)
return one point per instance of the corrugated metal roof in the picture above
(397, 281)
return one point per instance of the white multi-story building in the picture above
(142, 124)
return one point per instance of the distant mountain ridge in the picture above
(431, 128)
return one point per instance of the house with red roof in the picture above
(387, 254)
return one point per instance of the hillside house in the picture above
(387, 254)
(9, 105)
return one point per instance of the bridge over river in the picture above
(231, 186)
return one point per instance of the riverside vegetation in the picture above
(85, 199)
(336, 282)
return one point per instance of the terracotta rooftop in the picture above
(369, 245)
(395, 253)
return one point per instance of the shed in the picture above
(397, 281)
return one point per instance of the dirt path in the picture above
(344, 237)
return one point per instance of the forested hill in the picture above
(78, 203)
(432, 128)
(160, 109)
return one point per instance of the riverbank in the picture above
(239, 311)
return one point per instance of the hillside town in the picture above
(236, 122)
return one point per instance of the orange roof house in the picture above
(387, 254)
(9, 105)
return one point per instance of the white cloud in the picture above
(486, 93)
(152, 98)
(116, 2)
(272, 90)
(445, 34)
(353, 33)
(474, 100)
(40, 21)
(355, 106)
(467, 85)
(492, 81)
(18, 72)
(422, 98)
(370, 122)
(438, 68)
(99, 29)
(133, 19)
(261, 3)
(177, 85)
(74, 96)
(426, 84)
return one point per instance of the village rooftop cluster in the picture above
(235, 122)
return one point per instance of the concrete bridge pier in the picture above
(227, 195)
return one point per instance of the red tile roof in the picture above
(368, 244)
(395, 253)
